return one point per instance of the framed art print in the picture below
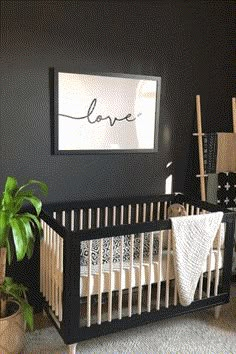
(105, 113)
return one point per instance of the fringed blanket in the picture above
(193, 237)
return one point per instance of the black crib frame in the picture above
(70, 329)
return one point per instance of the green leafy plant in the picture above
(17, 292)
(19, 224)
(17, 228)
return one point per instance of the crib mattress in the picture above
(118, 278)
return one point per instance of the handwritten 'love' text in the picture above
(99, 118)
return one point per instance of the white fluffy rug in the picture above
(196, 333)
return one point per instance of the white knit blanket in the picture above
(192, 240)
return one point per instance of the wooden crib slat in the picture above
(89, 284)
(100, 282)
(217, 261)
(140, 274)
(209, 272)
(121, 278)
(63, 221)
(187, 208)
(150, 270)
(53, 253)
(53, 268)
(45, 259)
(192, 209)
(57, 275)
(121, 214)
(50, 270)
(61, 245)
(144, 212)
(175, 294)
(56, 263)
(160, 247)
(72, 220)
(100, 270)
(165, 210)
(55, 300)
(48, 254)
(106, 217)
(114, 215)
(167, 295)
(90, 245)
(151, 211)
(40, 261)
(58, 266)
(111, 282)
(200, 287)
(158, 210)
(42, 258)
(130, 275)
(89, 218)
(81, 216)
(129, 214)
(137, 213)
(47, 264)
(121, 265)
(98, 218)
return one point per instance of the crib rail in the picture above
(51, 269)
(140, 284)
(132, 273)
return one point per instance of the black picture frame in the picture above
(84, 118)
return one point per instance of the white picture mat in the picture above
(116, 97)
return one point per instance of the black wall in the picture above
(188, 43)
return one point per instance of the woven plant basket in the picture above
(12, 330)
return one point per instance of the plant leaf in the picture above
(34, 220)
(19, 199)
(4, 227)
(8, 280)
(27, 311)
(43, 187)
(26, 223)
(36, 202)
(9, 190)
(19, 237)
(11, 184)
(10, 249)
(30, 248)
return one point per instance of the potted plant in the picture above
(19, 225)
